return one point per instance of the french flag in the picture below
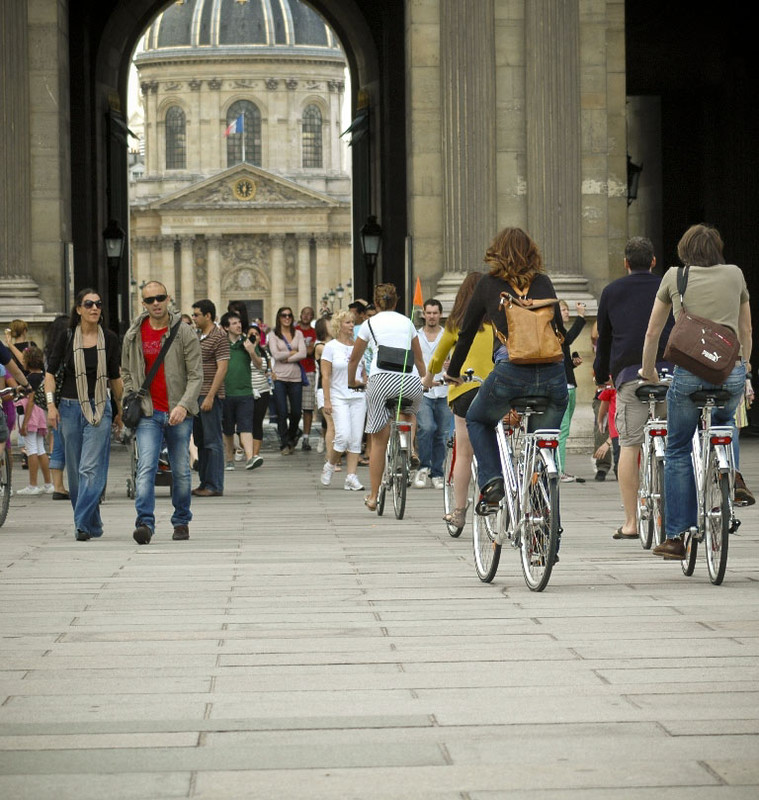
(238, 126)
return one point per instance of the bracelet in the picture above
(50, 397)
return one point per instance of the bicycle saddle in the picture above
(651, 391)
(536, 402)
(703, 396)
(392, 403)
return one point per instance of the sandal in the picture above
(457, 517)
(370, 504)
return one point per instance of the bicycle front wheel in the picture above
(540, 537)
(487, 552)
(400, 480)
(717, 522)
(5, 484)
(449, 501)
(688, 562)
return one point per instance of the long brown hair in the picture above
(278, 324)
(514, 257)
(463, 296)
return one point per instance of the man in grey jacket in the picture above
(168, 408)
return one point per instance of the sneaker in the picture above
(81, 536)
(320, 445)
(286, 450)
(567, 478)
(229, 466)
(352, 484)
(600, 476)
(327, 472)
(743, 495)
(254, 462)
(31, 490)
(142, 534)
(239, 454)
(438, 482)
(306, 445)
(181, 532)
(49, 488)
(420, 481)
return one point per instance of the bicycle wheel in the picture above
(487, 553)
(656, 520)
(644, 509)
(381, 494)
(400, 480)
(5, 485)
(449, 501)
(688, 562)
(717, 522)
(540, 537)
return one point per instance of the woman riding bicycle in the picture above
(387, 328)
(717, 291)
(515, 265)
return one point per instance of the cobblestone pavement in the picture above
(298, 646)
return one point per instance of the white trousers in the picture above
(349, 417)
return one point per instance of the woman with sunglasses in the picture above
(91, 359)
(288, 348)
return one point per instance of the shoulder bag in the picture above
(131, 403)
(393, 359)
(705, 348)
(532, 335)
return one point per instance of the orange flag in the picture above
(418, 299)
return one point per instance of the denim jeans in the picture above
(57, 457)
(433, 423)
(210, 444)
(493, 400)
(287, 424)
(151, 432)
(87, 451)
(682, 416)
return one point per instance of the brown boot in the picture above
(742, 496)
(671, 550)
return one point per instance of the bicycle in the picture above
(395, 477)
(714, 472)
(528, 514)
(650, 507)
(9, 393)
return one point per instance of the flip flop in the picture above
(372, 506)
(619, 535)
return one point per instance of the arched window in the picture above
(251, 124)
(312, 137)
(176, 139)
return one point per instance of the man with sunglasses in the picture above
(167, 409)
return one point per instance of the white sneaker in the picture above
(328, 471)
(438, 482)
(49, 488)
(421, 478)
(352, 484)
(320, 445)
(33, 490)
(239, 454)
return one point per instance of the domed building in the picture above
(245, 193)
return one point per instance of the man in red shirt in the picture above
(309, 365)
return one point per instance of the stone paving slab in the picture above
(298, 646)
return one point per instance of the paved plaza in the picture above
(298, 646)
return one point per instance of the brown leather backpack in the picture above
(532, 337)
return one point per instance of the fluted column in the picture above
(187, 274)
(304, 274)
(277, 260)
(167, 264)
(467, 72)
(140, 269)
(554, 208)
(214, 273)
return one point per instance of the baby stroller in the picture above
(163, 476)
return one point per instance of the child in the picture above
(34, 426)
(606, 412)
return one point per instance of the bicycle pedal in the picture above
(484, 509)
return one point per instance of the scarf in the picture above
(80, 373)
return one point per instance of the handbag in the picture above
(393, 359)
(532, 335)
(705, 348)
(131, 402)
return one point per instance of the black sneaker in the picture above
(181, 532)
(306, 445)
(142, 534)
(600, 475)
(83, 536)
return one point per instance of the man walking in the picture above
(168, 407)
(309, 366)
(214, 348)
(623, 313)
(433, 421)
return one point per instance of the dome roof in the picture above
(268, 26)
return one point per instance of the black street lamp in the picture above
(114, 237)
(371, 241)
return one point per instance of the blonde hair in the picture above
(385, 296)
(337, 321)
(18, 328)
(514, 257)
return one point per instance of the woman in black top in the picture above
(83, 416)
(515, 265)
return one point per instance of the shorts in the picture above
(632, 415)
(307, 403)
(460, 405)
(237, 414)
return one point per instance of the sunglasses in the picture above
(156, 298)
(286, 315)
(91, 303)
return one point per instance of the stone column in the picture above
(167, 264)
(214, 273)
(554, 208)
(187, 284)
(140, 269)
(304, 274)
(277, 265)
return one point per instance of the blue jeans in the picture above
(433, 422)
(210, 444)
(87, 451)
(287, 424)
(151, 432)
(58, 457)
(682, 420)
(493, 400)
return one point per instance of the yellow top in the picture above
(479, 358)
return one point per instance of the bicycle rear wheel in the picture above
(644, 509)
(656, 507)
(449, 501)
(717, 522)
(540, 537)
(400, 479)
(5, 484)
(487, 552)
(688, 562)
